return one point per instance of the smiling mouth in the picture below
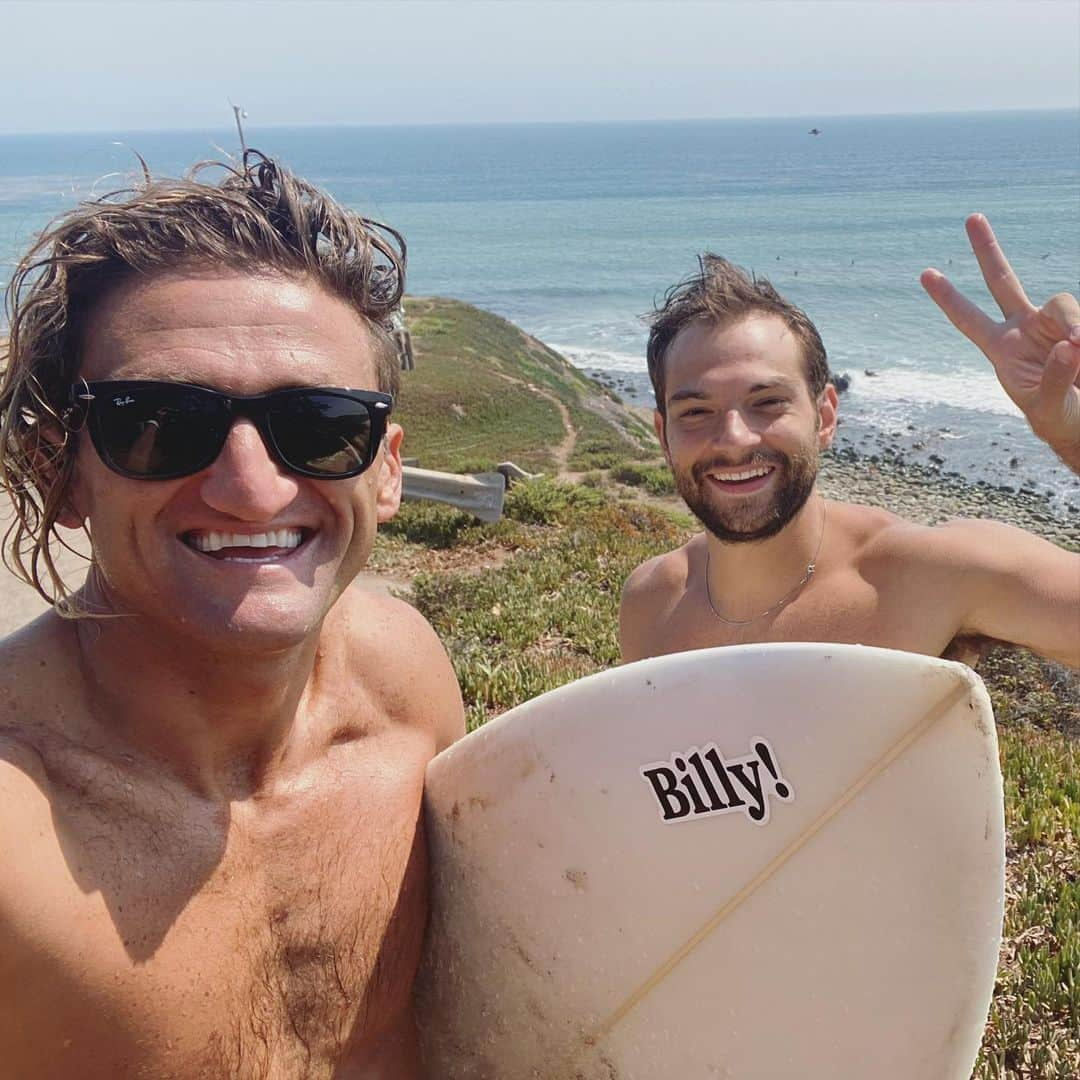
(266, 546)
(742, 478)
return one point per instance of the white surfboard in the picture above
(765, 861)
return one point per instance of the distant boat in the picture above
(814, 131)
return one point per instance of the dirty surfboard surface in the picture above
(761, 861)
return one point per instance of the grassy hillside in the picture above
(484, 392)
(527, 604)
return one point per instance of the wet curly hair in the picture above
(255, 217)
(722, 293)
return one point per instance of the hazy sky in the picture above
(105, 65)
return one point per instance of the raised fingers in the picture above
(1055, 414)
(1062, 312)
(999, 276)
(967, 317)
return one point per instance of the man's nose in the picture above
(733, 430)
(246, 481)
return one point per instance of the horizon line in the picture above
(816, 118)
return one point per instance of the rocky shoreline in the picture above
(929, 496)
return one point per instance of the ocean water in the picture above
(575, 231)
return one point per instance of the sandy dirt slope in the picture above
(19, 603)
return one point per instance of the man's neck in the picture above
(227, 724)
(748, 580)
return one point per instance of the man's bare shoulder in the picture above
(871, 534)
(981, 579)
(974, 543)
(37, 690)
(859, 526)
(38, 670)
(394, 650)
(650, 594)
(662, 575)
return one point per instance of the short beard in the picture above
(737, 526)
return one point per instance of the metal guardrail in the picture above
(479, 494)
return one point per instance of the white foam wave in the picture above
(604, 359)
(974, 391)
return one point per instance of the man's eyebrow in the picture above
(687, 395)
(779, 383)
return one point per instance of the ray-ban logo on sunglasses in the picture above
(127, 400)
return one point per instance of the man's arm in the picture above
(1005, 584)
(1035, 351)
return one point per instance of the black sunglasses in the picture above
(150, 430)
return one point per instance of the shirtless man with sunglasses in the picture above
(744, 408)
(211, 766)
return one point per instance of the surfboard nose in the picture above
(659, 867)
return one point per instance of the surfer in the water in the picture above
(745, 407)
(211, 776)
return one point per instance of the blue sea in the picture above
(574, 231)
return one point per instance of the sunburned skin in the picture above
(214, 864)
(156, 934)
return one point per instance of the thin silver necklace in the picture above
(811, 567)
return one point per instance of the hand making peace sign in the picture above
(1035, 351)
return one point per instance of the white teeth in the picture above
(748, 474)
(275, 538)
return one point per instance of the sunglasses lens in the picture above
(158, 430)
(322, 434)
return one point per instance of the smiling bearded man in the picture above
(211, 767)
(744, 407)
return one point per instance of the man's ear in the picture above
(659, 425)
(71, 514)
(828, 407)
(388, 495)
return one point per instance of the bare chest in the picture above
(276, 943)
(842, 607)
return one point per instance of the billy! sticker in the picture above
(701, 782)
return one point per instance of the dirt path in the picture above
(563, 452)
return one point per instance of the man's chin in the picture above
(748, 525)
(729, 532)
(256, 626)
(731, 527)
